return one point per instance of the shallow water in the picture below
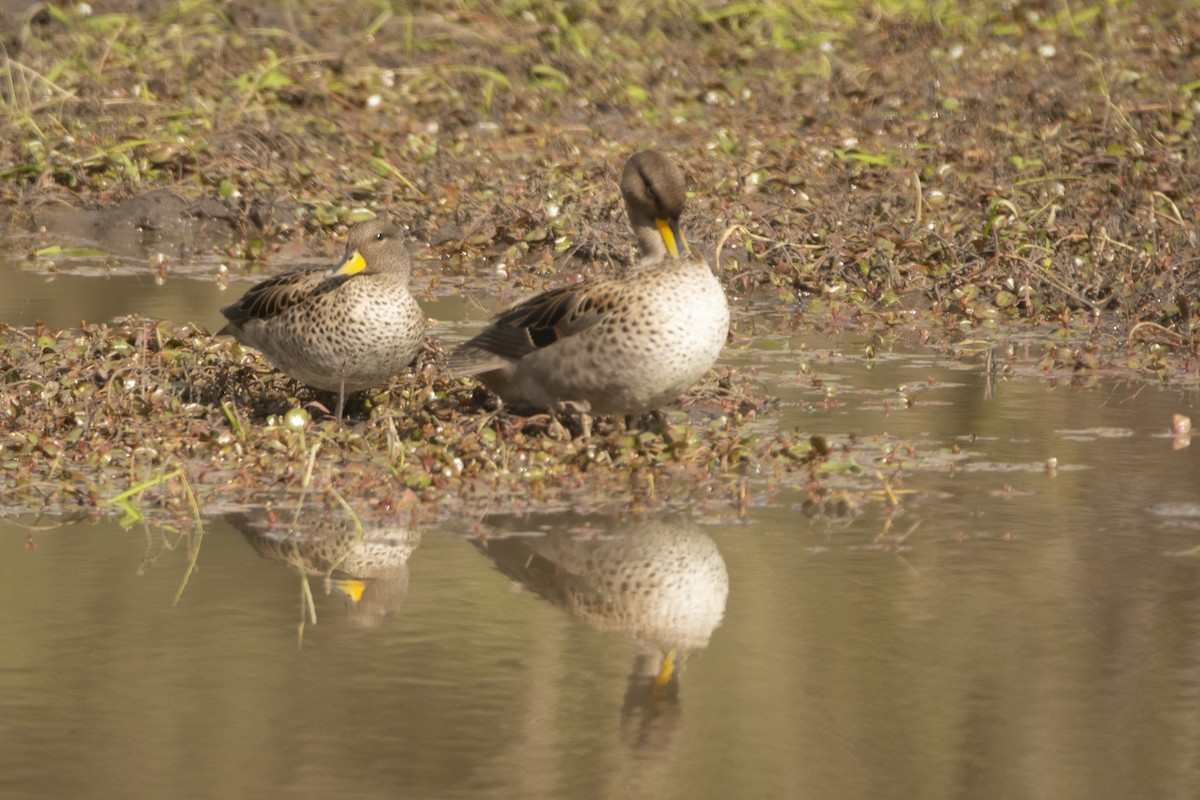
(1014, 631)
(1060, 663)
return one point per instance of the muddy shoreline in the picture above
(978, 174)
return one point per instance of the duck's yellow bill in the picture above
(666, 670)
(352, 265)
(350, 587)
(672, 238)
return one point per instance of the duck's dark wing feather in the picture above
(274, 295)
(538, 322)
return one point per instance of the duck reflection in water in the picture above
(659, 579)
(367, 568)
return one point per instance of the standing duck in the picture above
(621, 345)
(341, 329)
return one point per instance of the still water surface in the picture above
(1036, 635)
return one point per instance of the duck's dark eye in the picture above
(379, 237)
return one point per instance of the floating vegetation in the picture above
(152, 420)
(104, 416)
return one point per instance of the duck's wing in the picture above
(538, 322)
(274, 295)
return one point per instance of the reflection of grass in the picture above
(308, 612)
(127, 501)
(358, 529)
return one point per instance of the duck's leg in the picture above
(581, 409)
(555, 427)
(631, 422)
(341, 403)
(498, 418)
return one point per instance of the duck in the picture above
(342, 329)
(657, 578)
(623, 345)
(364, 561)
